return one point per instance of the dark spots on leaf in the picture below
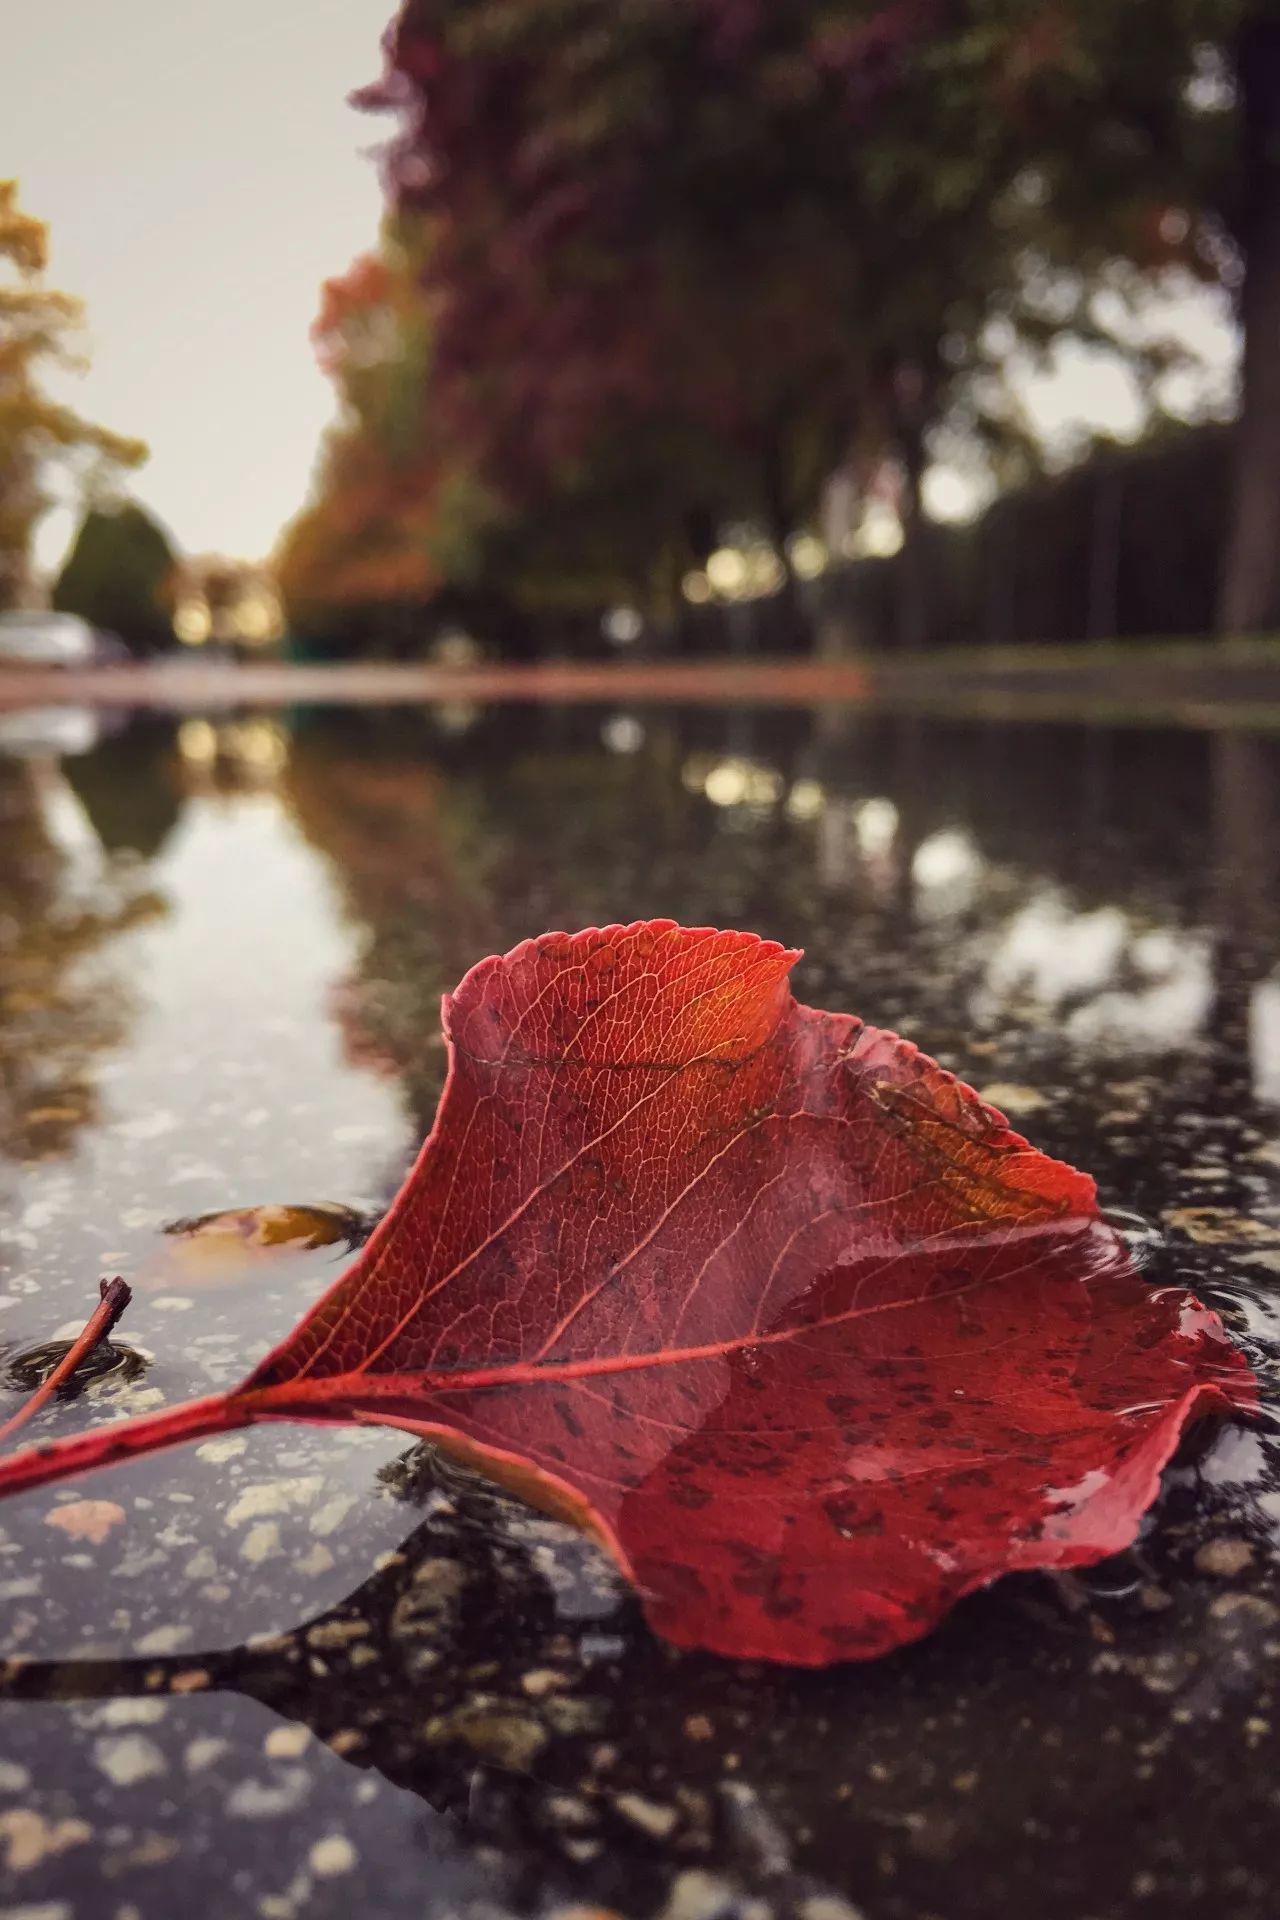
(852, 1517)
(687, 1493)
(780, 1606)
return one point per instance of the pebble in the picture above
(262, 1542)
(128, 1759)
(332, 1855)
(273, 1496)
(1224, 1558)
(28, 1838)
(203, 1752)
(649, 1815)
(286, 1743)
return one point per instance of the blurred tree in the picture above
(129, 784)
(119, 576)
(662, 266)
(639, 251)
(387, 517)
(1154, 140)
(773, 238)
(38, 331)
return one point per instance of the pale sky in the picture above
(201, 174)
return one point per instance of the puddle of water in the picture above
(305, 1667)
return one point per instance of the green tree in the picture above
(118, 576)
(38, 332)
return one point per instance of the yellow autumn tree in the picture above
(40, 329)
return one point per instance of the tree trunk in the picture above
(915, 561)
(777, 509)
(1250, 596)
(1241, 909)
(1102, 614)
(1000, 545)
(780, 523)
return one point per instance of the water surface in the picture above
(307, 1670)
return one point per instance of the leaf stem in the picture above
(114, 1297)
(113, 1441)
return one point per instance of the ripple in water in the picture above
(29, 1368)
(1144, 1239)
(1253, 1319)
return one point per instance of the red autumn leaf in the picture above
(773, 1304)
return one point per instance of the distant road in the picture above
(183, 685)
(1187, 683)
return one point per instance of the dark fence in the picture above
(1127, 544)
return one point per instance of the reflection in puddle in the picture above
(1105, 975)
(947, 870)
(27, 1369)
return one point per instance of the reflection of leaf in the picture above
(760, 1295)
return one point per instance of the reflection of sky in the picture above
(256, 939)
(199, 186)
(1111, 977)
(947, 870)
(224, 1084)
(1108, 977)
(229, 1085)
(1264, 1040)
(235, 1025)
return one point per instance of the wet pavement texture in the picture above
(301, 1672)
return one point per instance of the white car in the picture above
(39, 639)
(38, 733)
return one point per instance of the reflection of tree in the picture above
(451, 849)
(127, 786)
(1243, 792)
(55, 1017)
(411, 849)
(1026, 878)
